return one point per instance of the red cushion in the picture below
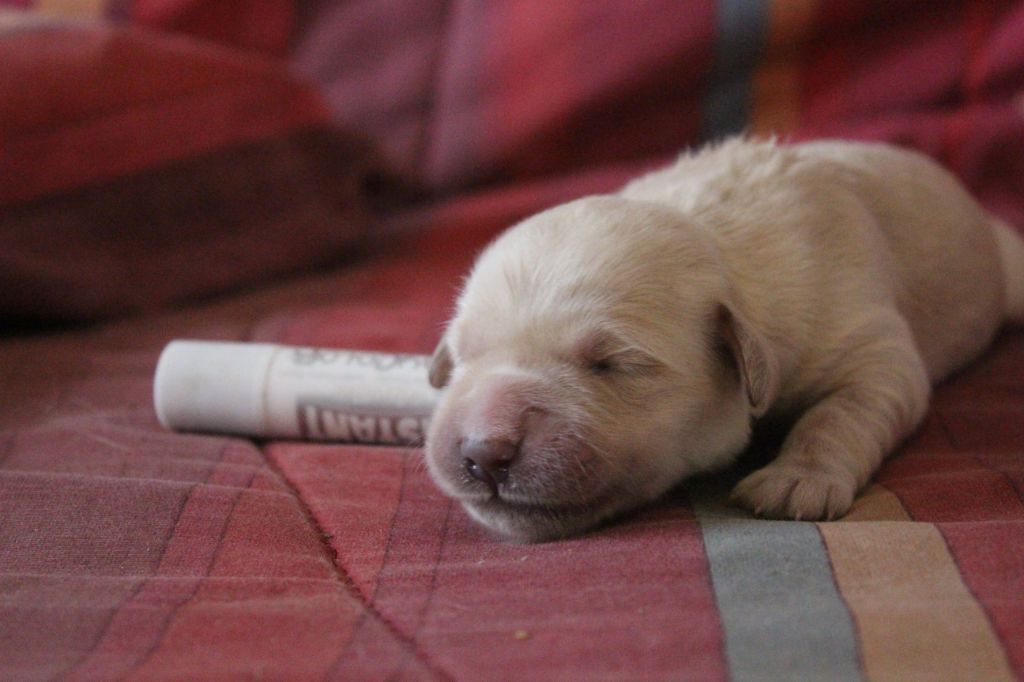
(139, 169)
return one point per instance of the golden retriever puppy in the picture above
(606, 349)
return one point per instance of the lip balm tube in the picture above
(267, 390)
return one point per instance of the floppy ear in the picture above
(440, 364)
(757, 365)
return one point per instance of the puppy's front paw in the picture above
(791, 491)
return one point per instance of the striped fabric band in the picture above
(828, 600)
(755, 81)
(780, 609)
(740, 35)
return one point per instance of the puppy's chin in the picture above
(528, 522)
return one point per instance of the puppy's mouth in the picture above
(507, 504)
(532, 520)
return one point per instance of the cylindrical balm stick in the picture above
(273, 391)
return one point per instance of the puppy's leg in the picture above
(880, 397)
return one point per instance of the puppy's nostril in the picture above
(488, 461)
(491, 477)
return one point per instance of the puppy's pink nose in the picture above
(488, 460)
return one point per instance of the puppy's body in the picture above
(606, 349)
(819, 234)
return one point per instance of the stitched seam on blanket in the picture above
(102, 633)
(425, 607)
(376, 585)
(346, 580)
(169, 618)
(145, 582)
(391, 528)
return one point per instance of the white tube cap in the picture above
(213, 386)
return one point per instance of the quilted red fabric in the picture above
(130, 552)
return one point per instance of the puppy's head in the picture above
(594, 360)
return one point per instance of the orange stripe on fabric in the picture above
(877, 504)
(914, 615)
(776, 84)
(80, 9)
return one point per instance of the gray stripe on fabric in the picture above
(741, 28)
(782, 615)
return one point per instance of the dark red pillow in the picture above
(137, 169)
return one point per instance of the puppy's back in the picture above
(919, 233)
(950, 287)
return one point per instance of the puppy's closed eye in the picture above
(607, 356)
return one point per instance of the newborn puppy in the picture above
(605, 349)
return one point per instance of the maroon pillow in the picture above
(137, 169)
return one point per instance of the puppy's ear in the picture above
(756, 363)
(440, 364)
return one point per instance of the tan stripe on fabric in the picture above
(912, 610)
(877, 504)
(80, 9)
(776, 82)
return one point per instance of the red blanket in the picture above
(186, 159)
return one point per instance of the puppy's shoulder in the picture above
(735, 169)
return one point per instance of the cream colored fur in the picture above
(625, 342)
